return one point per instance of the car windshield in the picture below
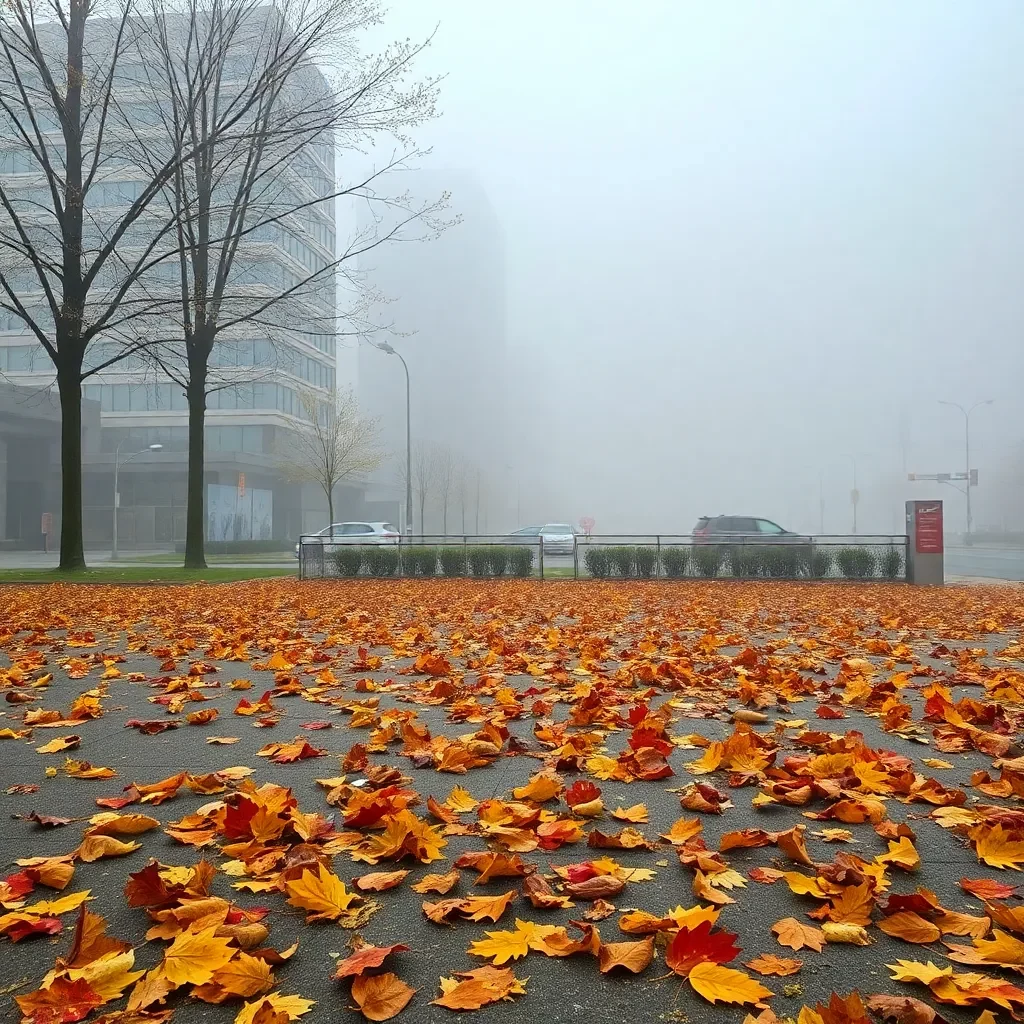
(527, 531)
(558, 528)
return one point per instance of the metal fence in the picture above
(645, 556)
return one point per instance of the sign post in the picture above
(925, 550)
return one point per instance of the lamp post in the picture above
(967, 452)
(117, 466)
(385, 347)
(854, 494)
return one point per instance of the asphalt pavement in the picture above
(559, 990)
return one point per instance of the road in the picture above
(1002, 563)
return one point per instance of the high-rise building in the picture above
(444, 309)
(248, 496)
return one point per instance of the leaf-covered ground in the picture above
(579, 802)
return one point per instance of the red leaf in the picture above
(692, 946)
(581, 792)
(368, 956)
(39, 926)
(146, 888)
(988, 888)
(317, 725)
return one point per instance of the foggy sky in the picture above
(744, 242)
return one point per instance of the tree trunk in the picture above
(423, 522)
(195, 512)
(444, 518)
(72, 547)
(330, 510)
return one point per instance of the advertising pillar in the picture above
(925, 558)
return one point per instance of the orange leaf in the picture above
(323, 894)
(797, 935)
(436, 883)
(367, 956)
(194, 956)
(769, 963)
(381, 996)
(631, 956)
(379, 881)
(910, 927)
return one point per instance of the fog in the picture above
(745, 247)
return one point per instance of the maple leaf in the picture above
(365, 957)
(994, 847)
(683, 830)
(770, 964)
(322, 893)
(903, 1010)
(636, 814)
(59, 743)
(723, 984)
(691, 946)
(479, 988)
(63, 1001)
(381, 996)
(95, 847)
(436, 883)
(1003, 948)
(853, 905)
(797, 935)
(631, 956)
(502, 946)
(108, 974)
(275, 1003)
(194, 956)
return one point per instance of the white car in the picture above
(353, 533)
(558, 538)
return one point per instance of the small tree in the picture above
(447, 473)
(425, 473)
(337, 443)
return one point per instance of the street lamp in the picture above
(385, 347)
(117, 466)
(967, 451)
(854, 494)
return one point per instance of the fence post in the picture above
(540, 561)
(401, 567)
(465, 555)
(657, 555)
(576, 559)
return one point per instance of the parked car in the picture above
(527, 535)
(354, 533)
(558, 539)
(744, 529)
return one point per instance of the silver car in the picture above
(558, 538)
(353, 533)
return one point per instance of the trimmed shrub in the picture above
(419, 560)
(782, 561)
(622, 559)
(453, 561)
(480, 560)
(855, 563)
(675, 560)
(380, 561)
(596, 561)
(891, 563)
(497, 559)
(821, 563)
(646, 560)
(347, 560)
(707, 559)
(744, 562)
(520, 561)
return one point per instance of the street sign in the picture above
(46, 526)
(974, 478)
(241, 485)
(928, 531)
(854, 496)
(587, 524)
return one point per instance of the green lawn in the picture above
(142, 574)
(174, 558)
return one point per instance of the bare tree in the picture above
(76, 245)
(339, 443)
(425, 473)
(446, 462)
(264, 94)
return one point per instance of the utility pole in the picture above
(117, 497)
(385, 347)
(967, 453)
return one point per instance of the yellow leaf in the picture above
(852, 934)
(994, 846)
(108, 975)
(244, 976)
(935, 762)
(461, 800)
(912, 970)
(502, 946)
(323, 894)
(903, 854)
(722, 984)
(636, 814)
(293, 1006)
(194, 956)
(59, 743)
(95, 847)
(708, 761)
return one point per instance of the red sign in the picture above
(928, 527)
(587, 525)
(46, 526)
(241, 485)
